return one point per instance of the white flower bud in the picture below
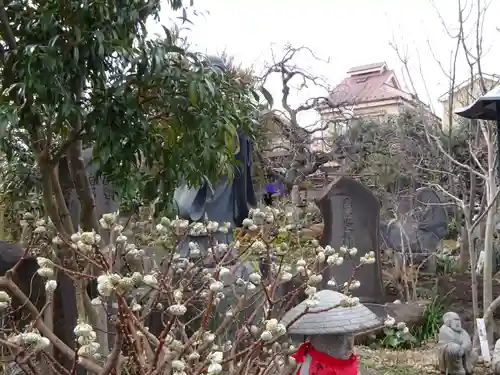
(320, 257)
(212, 226)
(45, 272)
(44, 262)
(271, 325)
(216, 286)
(355, 284)
(150, 280)
(214, 368)
(216, 357)
(50, 286)
(280, 329)
(178, 365)
(247, 222)
(40, 230)
(177, 310)
(208, 337)
(315, 279)
(224, 271)
(389, 321)
(178, 295)
(4, 296)
(57, 240)
(255, 278)
(194, 356)
(266, 336)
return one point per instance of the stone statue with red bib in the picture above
(327, 331)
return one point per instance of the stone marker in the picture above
(351, 216)
(423, 224)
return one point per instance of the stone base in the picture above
(410, 313)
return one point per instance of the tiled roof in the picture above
(360, 68)
(377, 85)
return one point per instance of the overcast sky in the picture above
(348, 33)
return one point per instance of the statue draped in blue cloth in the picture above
(222, 202)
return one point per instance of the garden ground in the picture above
(419, 361)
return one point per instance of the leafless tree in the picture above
(291, 136)
(477, 174)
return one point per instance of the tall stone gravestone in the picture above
(351, 218)
(104, 193)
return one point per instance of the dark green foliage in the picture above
(155, 113)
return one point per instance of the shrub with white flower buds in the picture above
(31, 340)
(202, 287)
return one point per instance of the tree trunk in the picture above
(472, 257)
(489, 259)
(465, 252)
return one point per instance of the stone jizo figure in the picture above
(329, 348)
(455, 353)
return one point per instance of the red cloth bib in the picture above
(323, 364)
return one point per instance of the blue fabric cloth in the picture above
(244, 193)
(275, 188)
(222, 202)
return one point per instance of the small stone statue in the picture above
(455, 353)
(330, 327)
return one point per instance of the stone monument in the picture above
(351, 215)
(455, 354)
(330, 327)
(422, 225)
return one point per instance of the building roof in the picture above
(493, 78)
(368, 83)
(360, 69)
